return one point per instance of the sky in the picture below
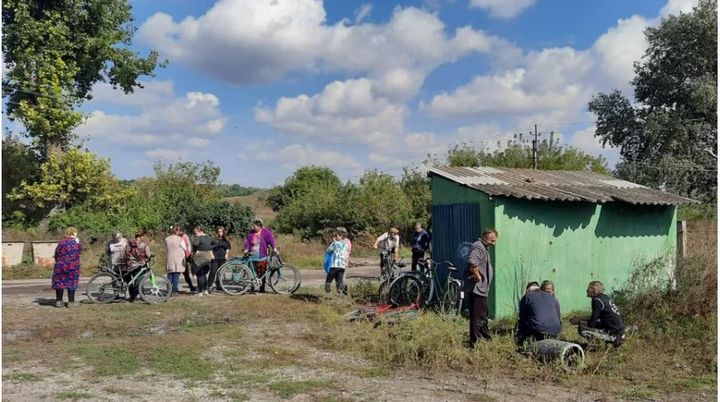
(263, 87)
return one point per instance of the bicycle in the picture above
(108, 284)
(388, 275)
(419, 287)
(239, 275)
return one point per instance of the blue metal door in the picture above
(455, 227)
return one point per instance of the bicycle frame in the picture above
(251, 264)
(134, 279)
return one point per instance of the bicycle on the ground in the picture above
(109, 284)
(239, 275)
(425, 288)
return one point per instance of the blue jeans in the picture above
(174, 278)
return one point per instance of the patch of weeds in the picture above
(22, 377)
(72, 395)
(244, 377)
(118, 391)
(287, 389)
(109, 360)
(639, 392)
(180, 362)
(374, 372)
(699, 382)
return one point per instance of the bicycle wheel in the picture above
(154, 289)
(236, 279)
(103, 288)
(451, 299)
(384, 292)
(284, 280)
(406, 290)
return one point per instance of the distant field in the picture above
(257, 203)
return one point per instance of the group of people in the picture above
(389, 245)
(202, 257)
(539, 310)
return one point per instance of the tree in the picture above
(20, 163)
(551, 156)
(379, 202)
(668, 136)
(416, 186)
(304, 180)
(55, 51)
(72, 179)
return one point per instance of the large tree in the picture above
(668, 136)
(55, 51)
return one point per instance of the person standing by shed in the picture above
(420, 244)
(477, 285)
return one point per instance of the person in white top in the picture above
(389, 244)
(115, 250)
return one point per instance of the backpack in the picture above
(135, 255)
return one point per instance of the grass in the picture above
(251, 343)
(29, 377)
(72, 395)
(287, 389)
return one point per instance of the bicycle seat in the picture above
(401, 265)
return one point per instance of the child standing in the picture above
(338, 263)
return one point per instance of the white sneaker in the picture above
(206, 292)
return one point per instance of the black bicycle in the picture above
(389, 273)
(425, 288)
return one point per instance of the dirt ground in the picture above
(251, 356)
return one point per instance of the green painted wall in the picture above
(568, 243)
(574, 243)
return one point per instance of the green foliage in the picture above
(379, 202)
(416, 187)
(305, 180)
(236, 190)
(182, 193)
(313, 200)
(20, 163)
(70, 179)
(54, 51)
(691, 212)
(551, 156)
(669, 138)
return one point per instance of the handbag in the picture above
(328, 260)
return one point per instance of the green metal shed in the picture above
(568, 227)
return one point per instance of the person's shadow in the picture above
(45, 302)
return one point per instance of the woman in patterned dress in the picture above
(66, 274)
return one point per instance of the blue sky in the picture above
(263, 87)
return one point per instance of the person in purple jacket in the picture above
(257, 241)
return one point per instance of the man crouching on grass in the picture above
(477, 285)
(605, 322)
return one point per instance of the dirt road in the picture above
(28, 291)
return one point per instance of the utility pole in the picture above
(535, 156)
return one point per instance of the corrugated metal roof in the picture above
(556, 185)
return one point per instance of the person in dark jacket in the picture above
(479, 276)
(221, 252)
(203, 246)
(605, 322)
(538, 317)
(549, 287)
(420, 243)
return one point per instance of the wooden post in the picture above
(681, 239)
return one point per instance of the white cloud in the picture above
(152, 93)
(363, 12)
(585, 140)
(675, 7)
(619, 48)
(344, 112)
(296, 155)
(258, 41)
(550, 80)
(166, 125)
(504, 9)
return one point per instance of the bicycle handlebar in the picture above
(431, 264)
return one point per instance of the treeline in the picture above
(76, 188)
(313, 199)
